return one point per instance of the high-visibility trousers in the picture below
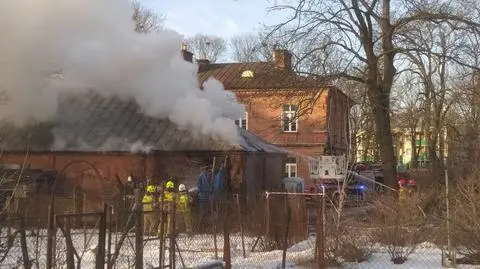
(185, 219)
(166, 218)
(148, 223)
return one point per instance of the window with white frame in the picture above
(243, 122)
(314, 166)
(291, 167)
(290, 118)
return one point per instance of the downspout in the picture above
(328, 149)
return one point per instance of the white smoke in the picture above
(92, 45)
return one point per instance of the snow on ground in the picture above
(200, 249)
(426, 256)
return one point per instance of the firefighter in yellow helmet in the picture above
(168, 200)
(148, 216)
(183, 208)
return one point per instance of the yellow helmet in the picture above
(150, 188)
(170, 184)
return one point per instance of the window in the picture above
(247, 74)
(314, 166)
(289, 118)
(243, 122)
(291, 167)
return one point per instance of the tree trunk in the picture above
(436, 164)
(384, 136)
(413, 145)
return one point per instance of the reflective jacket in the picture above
(147, 202)
(168, 196)
(183, 202)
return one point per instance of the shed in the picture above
(98, 141)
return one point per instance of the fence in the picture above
(273, 231)
(225, 230)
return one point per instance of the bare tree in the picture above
(366, 33)
(145, 19)
(207, 47)
(246, 48)
(464, 119)
(464, 126)
(466, 203)
(360, 124)
(408, 116)
(434, 65)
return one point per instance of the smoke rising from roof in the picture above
(50, 47)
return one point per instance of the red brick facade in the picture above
(266, 87)
(322, 126)
(96, 174)
(86, 165)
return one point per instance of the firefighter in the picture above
(168, 200)
(183, 208)
(148, 216)
(156, 207)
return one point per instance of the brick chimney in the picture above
(186, 55)
(283, 59)
(203, 62)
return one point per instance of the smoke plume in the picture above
(49, 47)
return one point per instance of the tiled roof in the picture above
(265, 76)
(92, 123)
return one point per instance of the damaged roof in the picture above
(93, 123)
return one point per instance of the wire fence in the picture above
(228, 230)
(276, 230)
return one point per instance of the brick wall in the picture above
(265, 113)
(103, 187)
(303, 170)
(98, 172)
(110, 166)
(264, 119)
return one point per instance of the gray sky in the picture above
(219, 17)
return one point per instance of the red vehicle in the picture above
(355, 191)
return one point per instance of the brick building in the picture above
(97, 142)
(302, 114)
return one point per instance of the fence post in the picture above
(49, 237)
(100, 259)
(227, 195)
(109, 229)
(320, 243)
(213, 209)
(240, 219)
(138, 228)
(69, 244)
(23, 242)
(161, 232)
(54, 240)
(285, 242)
(173, 230)
(226, 237)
